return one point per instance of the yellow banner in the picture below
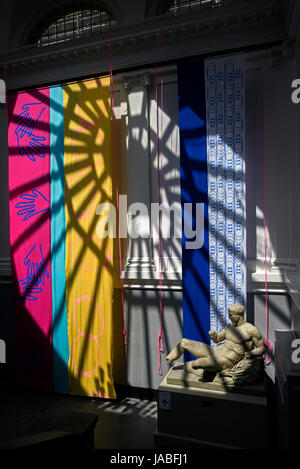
(89, 256)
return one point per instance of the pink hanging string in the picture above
(267, 342)
(264, 145)
(125, 338)
(159, 134)
(159, 162)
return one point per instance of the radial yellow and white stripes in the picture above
(89, 258)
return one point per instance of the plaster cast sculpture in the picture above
(236, 361)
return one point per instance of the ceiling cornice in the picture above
(156, 40)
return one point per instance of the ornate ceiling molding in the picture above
(165, 31)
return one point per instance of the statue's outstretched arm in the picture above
(216, 338)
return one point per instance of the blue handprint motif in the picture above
(30, 144)
(28, 206)
(36, 276)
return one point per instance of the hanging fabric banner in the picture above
(29, 190)
(193, 180)
(89, 255)
(211, 121)
(226, 185)
(58, 235)
(60, 182)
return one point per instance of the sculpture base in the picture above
(204, 415)
(180, 376)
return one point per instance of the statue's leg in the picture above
(216, 360)
(207, 363)
(198, 349)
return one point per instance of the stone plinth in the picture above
(195, 414)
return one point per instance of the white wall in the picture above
(271, 157)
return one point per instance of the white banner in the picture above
(224, 82)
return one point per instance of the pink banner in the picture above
(29, 187)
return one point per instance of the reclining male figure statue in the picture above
(240, 339)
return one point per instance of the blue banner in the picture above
(193, 174)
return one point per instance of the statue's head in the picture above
(235, 312)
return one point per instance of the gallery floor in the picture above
(127, 423)
(132, 421)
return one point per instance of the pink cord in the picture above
(267, 342)
(159, 161)
(125, 338)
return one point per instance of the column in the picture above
(139, 263)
